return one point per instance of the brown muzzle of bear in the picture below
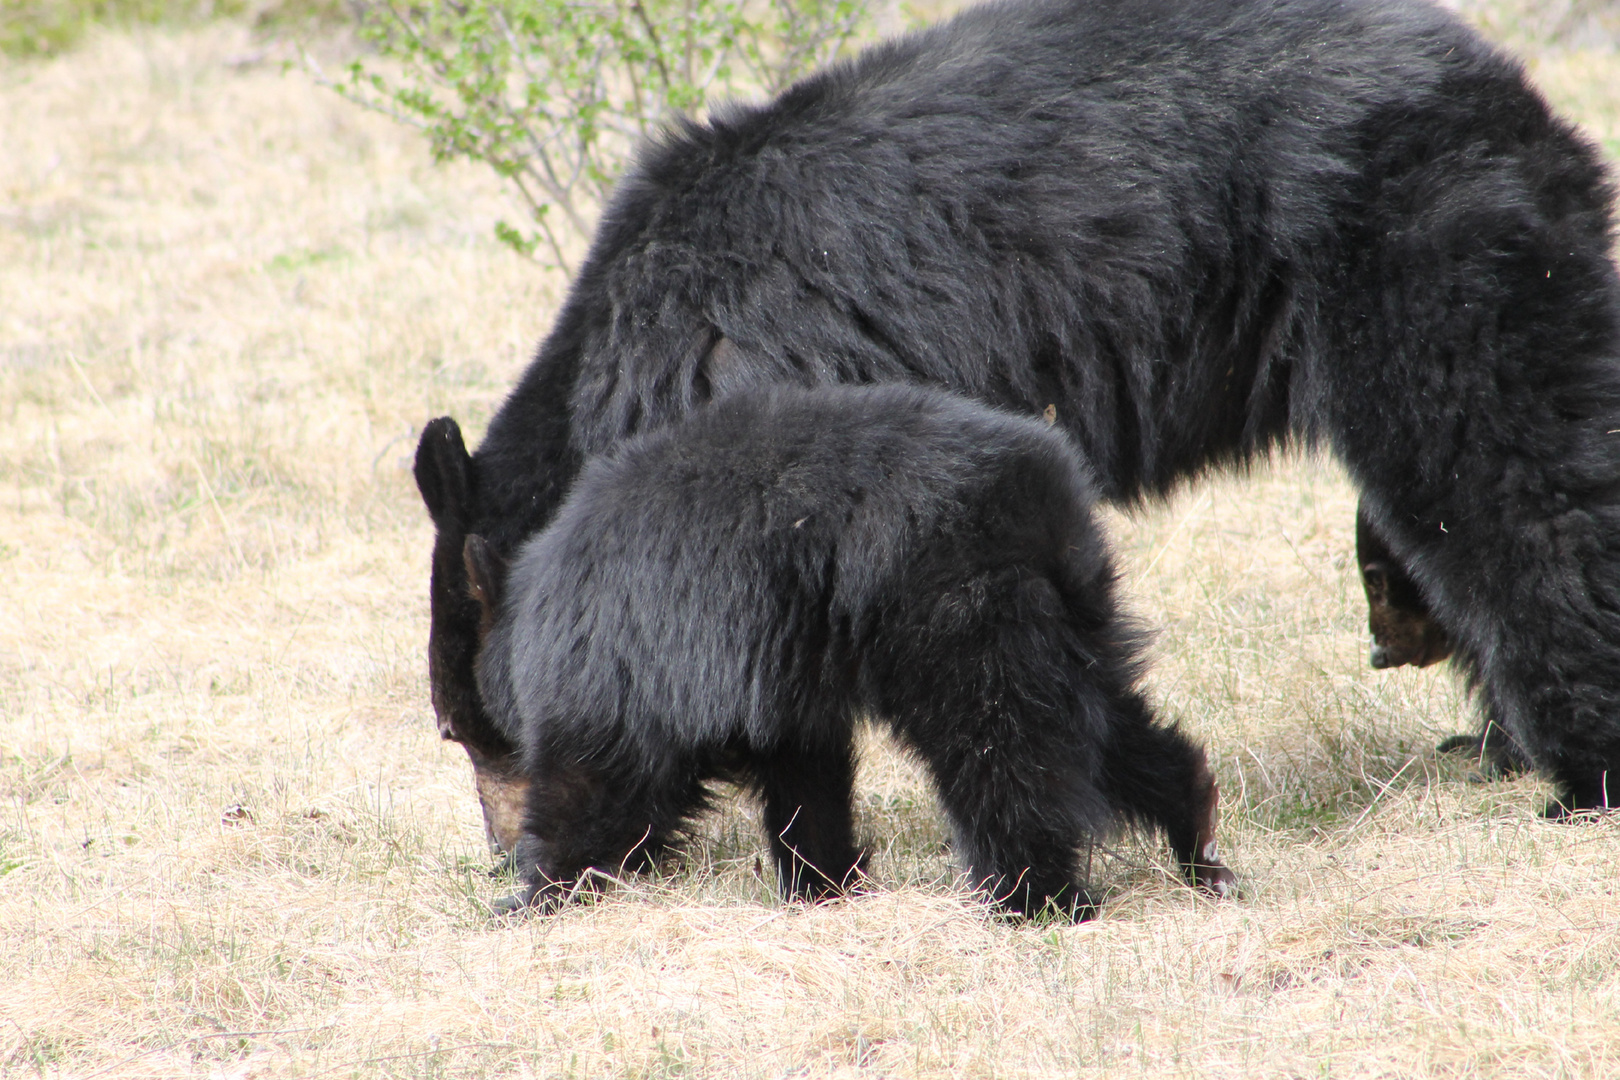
(1403, 631)
(502, 793)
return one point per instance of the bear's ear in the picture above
(486, 577)
(444, 474)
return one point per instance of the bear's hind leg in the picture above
(1156, 775)
(988, 678)
(806, 792)
(1015, 836)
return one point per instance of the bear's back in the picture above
(1027, 182)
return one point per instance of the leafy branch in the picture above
(554, 94)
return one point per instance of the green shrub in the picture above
(554, 94)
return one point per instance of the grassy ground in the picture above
(232, 846)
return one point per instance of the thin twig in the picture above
(658, 46)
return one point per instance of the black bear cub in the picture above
(727, 597)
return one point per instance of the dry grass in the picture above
(231, 844)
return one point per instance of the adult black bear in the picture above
(1197, 228)
(726, 596)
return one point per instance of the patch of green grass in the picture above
(39, 1051)
(31, 28)
(289, 261)
(47, 27)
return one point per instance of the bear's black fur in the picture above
(1196, 228)
(726, 596)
